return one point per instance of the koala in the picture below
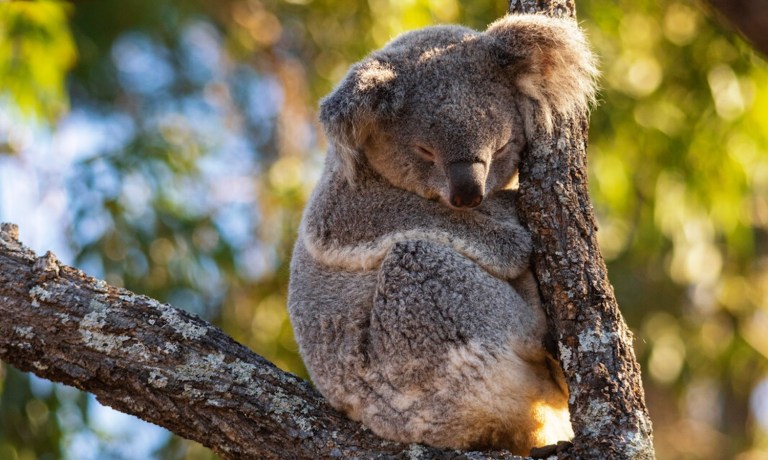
(411, 295)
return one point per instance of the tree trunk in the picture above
(750, 17)
(607, 401)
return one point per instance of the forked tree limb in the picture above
(170, 368)
(607, 401)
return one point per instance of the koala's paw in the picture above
(513, 254)
(550, 450)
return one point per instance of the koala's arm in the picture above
(353, 227)
(457, 356)
(428, 296)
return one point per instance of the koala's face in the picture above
(444, 112)
(457, 139)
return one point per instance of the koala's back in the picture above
(330, 313)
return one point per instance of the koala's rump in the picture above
(428, 348)
(475, 347)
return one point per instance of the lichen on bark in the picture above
(607, 401)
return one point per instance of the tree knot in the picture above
(46, 267)
(9, 231)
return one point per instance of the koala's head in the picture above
(444, 112)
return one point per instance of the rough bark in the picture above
(171, 368)
(750, 17)
(607, 401)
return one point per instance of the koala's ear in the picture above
(550, 63)
(367, 94)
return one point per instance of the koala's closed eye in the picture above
(504, 148)
(425, 153)
(514, 145)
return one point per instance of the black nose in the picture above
(466, 198)
(466, 183)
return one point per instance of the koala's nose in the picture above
(466, 183)
(466, 200)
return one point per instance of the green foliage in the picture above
(36, 51)
(28, 426)
(679, 153)
(208, 148)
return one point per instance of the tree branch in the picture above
(749, 17)
(607, 401)
(170, 368)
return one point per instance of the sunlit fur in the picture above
(545, 59)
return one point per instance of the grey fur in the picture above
(410, 294)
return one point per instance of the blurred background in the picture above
(169, 147)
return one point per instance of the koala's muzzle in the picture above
(466, 183)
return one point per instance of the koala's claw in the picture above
(550, 450)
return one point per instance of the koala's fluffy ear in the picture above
(551, 65)
(366, 95)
